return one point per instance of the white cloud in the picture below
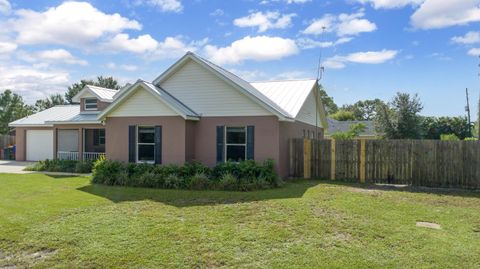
(434, 14)
(5, 7)
(258, 48)
(167, 5)
(73, 24)
(46, 57)
(291, 75)
(307, 43)
(265, 21)
(122, 42)
(170, 47)
(129, 67)
(474, 52)
(126, 67)
(174, 47)
(217, 12)
(7, 47)
(468, 38)
(368, 57)
(343, 24)
(32, 83)
(390, 4)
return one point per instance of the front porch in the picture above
(80, 144)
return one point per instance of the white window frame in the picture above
(137, 143)
(227, 144)
(90, 99)
(101, 136)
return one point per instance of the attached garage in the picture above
(39, 145)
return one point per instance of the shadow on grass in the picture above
(185, 198)
(405, 188)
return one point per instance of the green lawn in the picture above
(69, 223)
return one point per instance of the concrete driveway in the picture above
(14, 167)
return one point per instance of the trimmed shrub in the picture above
(241, 176)
(199, 181)
(69, 166)
(228, 182)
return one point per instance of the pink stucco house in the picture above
(195, 110)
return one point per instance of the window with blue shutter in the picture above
(250, 142)
(220, 144)
(132, 154)
(158, 144)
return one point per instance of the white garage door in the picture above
(39, 145)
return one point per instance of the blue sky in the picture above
(370, 48)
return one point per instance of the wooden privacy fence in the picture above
(430, 163)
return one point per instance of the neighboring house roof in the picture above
(230, 78)
(158, 92)
(335, 126)
(103, 94)
(57, 113)
(289, 95)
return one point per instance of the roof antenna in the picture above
(320, 70)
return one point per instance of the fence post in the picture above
(362, 160)
(307, 158)
(334, 161)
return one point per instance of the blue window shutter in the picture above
(158, 144)
(132, 144)
(220, 144)
(250, 142)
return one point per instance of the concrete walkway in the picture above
(14, 167)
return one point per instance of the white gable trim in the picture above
(190, 56)
(130, 91)
(87, 92)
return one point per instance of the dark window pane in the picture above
(90, 103)
(146, 135)
(146, 152)
(236, 135)
(235, 153)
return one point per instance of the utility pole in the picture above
(467, 108)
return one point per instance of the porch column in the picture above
(80, 144)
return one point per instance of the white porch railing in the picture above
(92, 155)
(68, 155)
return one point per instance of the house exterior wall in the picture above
(205, 93)
(21, 141)
(290, 130)
(173, 137)
(265, 144)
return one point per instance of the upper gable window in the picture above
(90, 104)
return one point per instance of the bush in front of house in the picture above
(242, 176)
(68, 166)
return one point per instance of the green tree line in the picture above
(13, 107)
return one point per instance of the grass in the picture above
(66, 222)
